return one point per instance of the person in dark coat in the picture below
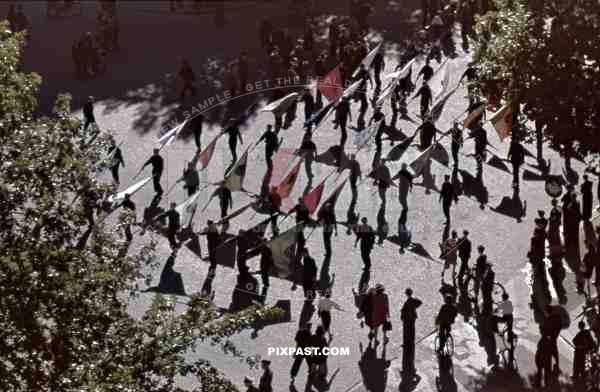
(303, 340)
(271, 144)
(587, 197)
(543, 361)
(342, 113)
(309, 150)
(366, 235)
(355, 174)
(128, 204)
(447, 195)
(583, 343)
(266, 262)
(464, 254)
(426, 71)
(319, 361)
(309, 275)
(408, 315)
(233, 131)
(361, 92)
(212, 239)
(328, 220)
(487, 287)
(191, 179)
(480, 137)
(174, 224)
(427, 133)
(309, 104)
(405, 185)
(88, 113)
(456, 133)
(426, 98)
(157, 168)
(516, 154)
(378, 65)
(116, 161)
(302, 217)
(266, 379)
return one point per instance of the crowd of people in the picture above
(472, 291)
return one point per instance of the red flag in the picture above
(502, 121)
(332, 86)
(334, 195)
(205, 156)
(312, 200)
(474, 117)
(285, 187)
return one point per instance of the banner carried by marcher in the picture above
(422, 160)
(312, 200)
(332, 85)
(502, 121)
(205, 155)
(333, 196)
(234, 179)
(169, 137)
(474, 117)
(187, 209)
(363, 137)
(368, 60)
(130, 191)
(281, 105)
(283, 248)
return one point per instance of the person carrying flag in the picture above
(426, 98)
(366, 235)
(233, 131)
(309, 150)
(271, 144)
(191, 179)
(157, 163)
(342, 113)
(328, 220)
(116, 160)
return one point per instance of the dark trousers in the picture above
(172, 240)
(265, 279)
(365, 254)
(446, 208)
(233, 148)
(88, 122)
(516, 167)
(223, 210)
(455, 149)
(298, 358)
(300, 239)
(197, 136)
(325, 317)
(424, 109)
(269, 157)
(212, 259)
(464, 268)
(309, 289)
(327, 233)
(115, 173)
(156, 182)
(128, 234)
(191, 189)
(408, 347)
(364, 104)
(579, 364)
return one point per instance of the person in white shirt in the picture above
(504, 311)
(324, 308)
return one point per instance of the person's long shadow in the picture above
(245, 293)
(474, 187)
(325, 279)
(445, 380)
(512, 206)
(152, 211)
(541, 295)
(441, 155)
(308, 309)
(325, 385)
(329, 157)
(382, 224)
(374, 370)
(487, 339)
(170, 281)
(396, 153)
(498, 163)
(395, 135)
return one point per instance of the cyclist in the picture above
(444, 321)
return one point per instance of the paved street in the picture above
(132, 105)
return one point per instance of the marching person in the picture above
(303, 340)
(157, 163)
(449, 252)
(378, 65)
(116, 160)
(266, 262)
(376, 309)
(196, 125)
(447, 195)
(426, 98)
(427, 131)
(212, 239)
(361, 92)
(309, 274)
(266, 379)
(308, 149)
(366, 235)
(456, 133)
(408, 315)
(191, 179)
(233, 131)
(271, 144)
(516, 154)
(328, 220)
(405, 185)
(342, 114)
(174, 225)
(355, 174)
(225, 200)
(324, 310)
(302, 217)
(464, 254)
(587, 198)
(426, 71)
(88, 113)
(128, 204)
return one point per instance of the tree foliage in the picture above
(64, 324)
(546, 55)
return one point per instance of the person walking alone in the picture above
(157, 163)
(408, 315)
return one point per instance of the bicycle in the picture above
(448, 349)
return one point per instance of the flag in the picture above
(281, 161)
(283, 248)
(349, 92)
(319, 117)
(332, 198)
(287, 184)
(474, 117)
(205, 156)
(438, 108)
(332, 86)
(254, 234)
(131, 190)
(281, 105)
(436, 83)
(235, 213)
(234, 179)
(187, 209)
(170, 136)
(419, 163)
(401, 74)
(387, 93)
(312, 200)
(502, 121)
(368, 59)
(363, 137)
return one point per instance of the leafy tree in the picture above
(64, 325)
(546, 56)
